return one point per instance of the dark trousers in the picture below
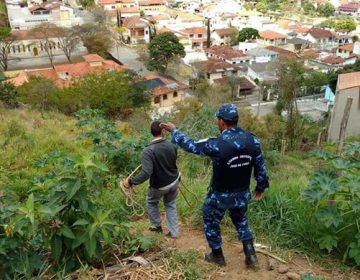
(215, 206)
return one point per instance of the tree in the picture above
(248, 33)
(163, 49)
(290, 80)
(347, 24)
(115, 93)
(96, 38)
(261, 7)
(38, 92)
(309, 8)
(313, 81)
(208, 34)
(46, 33)
(68, 40)
(326, 10)
(9, 95)
(6, 40)
(234, 83)
(99, 15)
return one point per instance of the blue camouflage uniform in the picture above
(235, 153)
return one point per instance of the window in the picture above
(29, 48)
(113, 7)
(164, 96)
(24, 50)
(199, 35)
(157, 99)
(146, 32)
(175, 94)
(222, 37)
(18, 47)
(191, 35)
(13, 49)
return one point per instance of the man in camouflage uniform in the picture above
(235, 153)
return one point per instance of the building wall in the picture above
(353, 127)
(169, 100)
(342, 53)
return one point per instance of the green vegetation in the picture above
(60, 207)
(163, 49)
(326, 10)
(115, 93)
(348, 24)
(334, 190)
(248, 33)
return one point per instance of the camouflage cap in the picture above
(227, 112)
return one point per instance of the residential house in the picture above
(55, 12)
(165, 92)
(223, 36)
(113, 5)
(214, 69)
(262, 55)
(352, 9)
(269, 37)
(246, 46)
(298, 45)
(227, 54)
(348, 85)
(348, 50)
(62, 75)
(342, 38)
(31, 44)
(320, 38)
(245, 87)
(263, 72)
(325, 63)
(137, 29)
(152, 7)
(283, 52)
(197, 37)
(119, 8)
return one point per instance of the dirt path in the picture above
(235, 269)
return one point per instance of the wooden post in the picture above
(282, 153)
(318, 142)
(344, 123)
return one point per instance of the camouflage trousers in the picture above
(215, 206)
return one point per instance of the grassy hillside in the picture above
(41, 152)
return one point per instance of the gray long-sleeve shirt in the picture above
(158, 163)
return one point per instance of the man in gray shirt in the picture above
(159, 164)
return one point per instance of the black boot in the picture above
(250, 255)
(216, 256)
(156, 229)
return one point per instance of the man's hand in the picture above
(258, 196)
(167, 126)
(125, 183)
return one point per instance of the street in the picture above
(128, 56)
(34, 62)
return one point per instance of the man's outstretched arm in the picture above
(204, 147)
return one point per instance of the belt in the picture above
(167, 187)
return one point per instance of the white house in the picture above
(262, 55)
(227, 54)
(55, 12)
(223, 36)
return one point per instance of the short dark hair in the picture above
(155, 128)
(233, 122)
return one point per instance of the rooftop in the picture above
(348, 80)
(320, 33)
(271, 35)
(225, 52)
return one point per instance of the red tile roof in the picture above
(244, 83)
(215, 66)
(135, 22)
(109, 2)
(282, 51)
(225, 52)
(348, 47)
(169, 87)
(319, 33)
(73, 70)
(271, 35)
(333, 60)
(348, 80)
(194, 30)
(129, 10)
